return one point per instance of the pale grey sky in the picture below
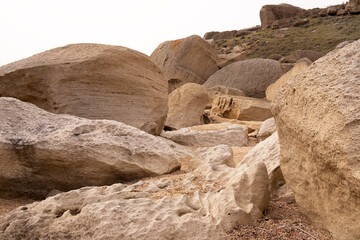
(32, 26)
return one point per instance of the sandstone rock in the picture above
(353, 6)
(253, 126)
(301, 22)
(93, 81)
(41, 151)
(168, 208)
(323, 13)
(267, 152)
(318, 121)
(187, 60)
(186, 106)
(209, 35)
(241, 108)
(343, 44)
(250, 76)
(341, 12)
(332, 11)
(299, 54)
(226, 59)
(273, 88)
(268, 127)
(210, 135)
(225, 35)
(270, 13)
(221, 90)
(275, 57)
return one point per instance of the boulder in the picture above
(275, 57)
(241, 108)
(299, 54)
(267, 152)
(186, 106)
(167, 208)
(270, 13)
(250, 76)
(221, 90)
(92, 81)
(210, 135)
(273, 88)
(301, 22)
(343, 44)
(331, 11)
(226, 59)
(42, 151)
(318, 120)
(353, 6)
(225, 35)
(267, 128)
(187, 60)
(209, 35)
(252, 125)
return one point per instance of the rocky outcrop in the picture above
(273, 88)
(227, 59)
(353, 6)
(253, 126)
(186, 106)
(210, 135)
(221, 90)
(166, 208)
(250, 76)
(241, 108)
(209, 35)
(299, 54)
(282, 12)
(41, 151)
(267, 128)
(267, 152)
(225, 35)
(187, 60)
(92, 81)
(318, 121)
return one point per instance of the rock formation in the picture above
(267, 128)
(299, 54)
(227, 59)
(186, 106)
(188, 60)
(41, 151)
(318, 120)
(282, 12)
(93, 81)
(250, 76)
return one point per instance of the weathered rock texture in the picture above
(250, 76)
(268, 127)
(227, 59)
(282, 12)
(41, 151)
(267, 152)
(299, 54)
(210, 135)
(318, 119)
(188, 60)
(93, 81)
(167, 208)
(186, 106)
(273, 88)
(241, 108)
(353, 6)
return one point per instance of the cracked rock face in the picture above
(202, 204)
(41, 151)
(317, 113)
(92, 81)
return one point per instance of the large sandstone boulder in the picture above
(187, 60)
(353, 6)
(186, 106)
(300, 54)
(274, 87)
(271, 13)
(210, 135)
(250, 76)
(203, 204)
(267, 128)
(318, 120)
(241, 108)
(93, 81)
(41, 151)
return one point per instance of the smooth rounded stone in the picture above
(210, 135)
(186, 106)
(241, 108)
(271, 13)
(227, 197)
(227, 59)
(299, 54)
(187, 60)
(42, 151)
(250, 76)
(274, 87)
(268, 127)
(318, 120)
(93, 81)
(267, 152)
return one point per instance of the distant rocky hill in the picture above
(314, 29)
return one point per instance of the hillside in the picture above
(320, 34)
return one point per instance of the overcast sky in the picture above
(32, 26)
